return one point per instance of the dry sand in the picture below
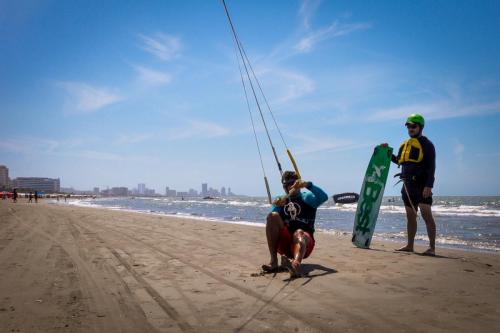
(70, 269)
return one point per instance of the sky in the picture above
(116, 93)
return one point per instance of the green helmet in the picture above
(416, 118)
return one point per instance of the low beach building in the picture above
(37, 184)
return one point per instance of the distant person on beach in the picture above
(290, 224)
(36, 196)
(14, 195)
(417, 156)
(30, 197)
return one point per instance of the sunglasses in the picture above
(411, 126)
(288, 182)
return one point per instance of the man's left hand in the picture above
(427, 192)
(295, 188)
(299, 183)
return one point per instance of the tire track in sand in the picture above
(155, 296)
(305, 320)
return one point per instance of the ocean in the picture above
(470, 223)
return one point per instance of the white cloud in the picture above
(72, 148)
(97, 155)
(152, 77)
(132, 138)
(307, 43)
(312, 145)
(86, 98)
(163, 46)
(458, 149)
(198, 129)
(307, 10)
(436, 110)
(286, 85)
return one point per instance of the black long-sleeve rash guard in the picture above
(423, 171)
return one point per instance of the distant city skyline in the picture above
(54, 185)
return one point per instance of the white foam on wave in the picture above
(340, 207)
(88, 204)
(439, 210)
(220, 203)
(442, 240)
(466, 210)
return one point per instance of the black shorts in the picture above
(415, 191)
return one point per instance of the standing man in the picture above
(30, 197)
(417, 157)
(290, 225)
(14, 195)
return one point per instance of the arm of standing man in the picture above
(430, 169)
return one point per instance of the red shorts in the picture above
(285, 243)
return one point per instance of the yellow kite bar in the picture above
(294, 163)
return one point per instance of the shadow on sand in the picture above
(306, 269)
(311, 271)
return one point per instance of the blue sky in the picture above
(108, 93)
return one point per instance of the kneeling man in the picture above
(290, 225)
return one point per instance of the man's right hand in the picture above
(280, 202)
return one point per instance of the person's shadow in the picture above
(311, 271)
(306, 270)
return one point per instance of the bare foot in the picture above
(273, 267)
(292, 266)
(429, 252)
(406, 248)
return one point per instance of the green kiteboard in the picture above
(371, 195)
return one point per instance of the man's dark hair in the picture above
(289, 175)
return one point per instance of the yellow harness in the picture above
(411, 151)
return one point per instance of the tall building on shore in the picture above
(37, 184)
(119, 191)
(4, 175)
(204, 189)
(223, 191)
(141, 189)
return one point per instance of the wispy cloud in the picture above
(163, 46)
(152, 77)
(73, 148)
(305, 37)
(28, 145)
(85, 98)
(98, 155)
(285, 85)
(312, 144)
(198, 129)
(336, 29)
(133, 138)
(458, 150)
(436, 110)
(306, 10)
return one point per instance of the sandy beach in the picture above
(72, 269)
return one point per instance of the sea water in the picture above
(471, 223)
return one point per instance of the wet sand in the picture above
(72, 269)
